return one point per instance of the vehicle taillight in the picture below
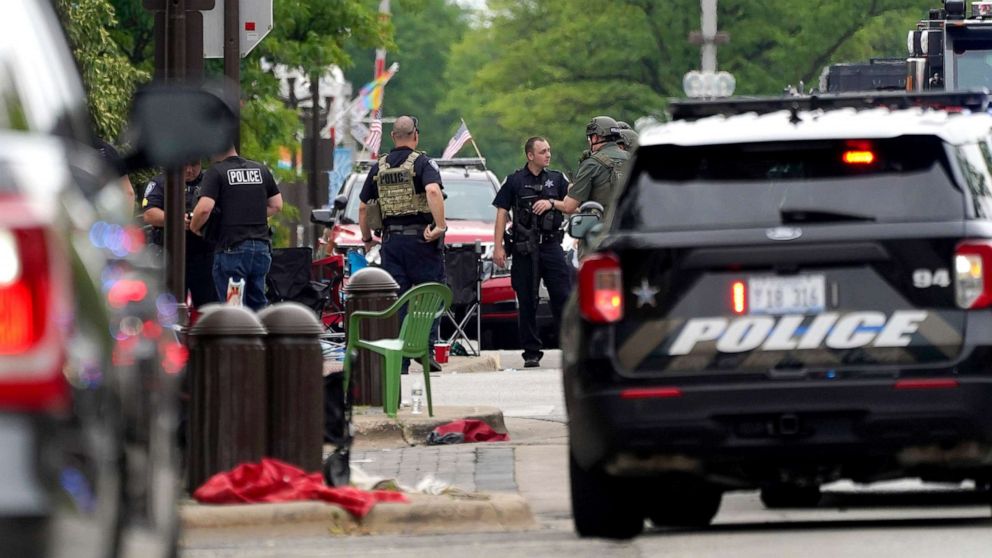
(24, 289)
(601, 289)
(973, 274)
(32, 350)
(859, 152)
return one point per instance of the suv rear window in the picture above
(769, 184)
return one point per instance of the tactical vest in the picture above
(616, 165)
(527, 225)
(397, 193)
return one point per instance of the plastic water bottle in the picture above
(417, 397)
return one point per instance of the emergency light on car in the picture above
(738, 295)
(858, 157)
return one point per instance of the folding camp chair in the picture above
(464, 270)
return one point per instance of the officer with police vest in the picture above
(244, 195)
(601, 173)
(405, 184)
(534, 195)
(199, 251)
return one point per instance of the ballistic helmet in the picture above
(604, 127)
(628, 138)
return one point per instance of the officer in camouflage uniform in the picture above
(406, 184)
(602, 172)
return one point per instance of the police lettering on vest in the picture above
(237, 177)
(397, 192)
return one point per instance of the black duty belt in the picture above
(411, 230)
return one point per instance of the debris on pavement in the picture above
(272, 481)
(467, 430)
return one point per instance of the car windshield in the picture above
(468, 199)
(768, 184)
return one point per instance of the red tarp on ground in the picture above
(468, 430)
(275, 481)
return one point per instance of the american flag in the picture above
(456, 142)
(374, 139)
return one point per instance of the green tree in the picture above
(425, 32)
(546, 68)
(108, 76)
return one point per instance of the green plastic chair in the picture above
(425, 303)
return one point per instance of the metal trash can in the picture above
(371, 288)
(296, 384)
(227, 422)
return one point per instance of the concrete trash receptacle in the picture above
(228, 403)
(374, 289)
(295, 384)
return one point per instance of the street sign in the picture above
(256, 23)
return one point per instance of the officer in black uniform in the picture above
(406, 186)
(534, 195)
(238, 196)
(199, 252)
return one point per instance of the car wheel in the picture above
(684, 502)
(778, 495)
(602, 505)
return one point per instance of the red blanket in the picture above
(275, 481)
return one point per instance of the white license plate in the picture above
(803, 294)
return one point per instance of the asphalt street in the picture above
(900, 519)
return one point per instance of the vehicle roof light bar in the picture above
(976, 101)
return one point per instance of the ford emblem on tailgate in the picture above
(784, 233)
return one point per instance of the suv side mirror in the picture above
(322, 217)
(170, 126)
(340, 202)
(586, 220)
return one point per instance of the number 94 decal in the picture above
(924, 278)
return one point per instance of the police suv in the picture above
(787, 292)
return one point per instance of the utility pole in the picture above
(708, 82)
(708, 62)
(313, 170)
(232, 60)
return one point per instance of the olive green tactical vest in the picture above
(397, 193)
(613, 159)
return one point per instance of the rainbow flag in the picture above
(371, 93)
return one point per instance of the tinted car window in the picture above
(469, 199)
(754, 185)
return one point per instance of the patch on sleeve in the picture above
(433, 164)
(149, 189)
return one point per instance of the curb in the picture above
(488, 361)
(412, 430)
(425, 514)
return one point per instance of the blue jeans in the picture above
(249, 260)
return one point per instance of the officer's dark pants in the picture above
(412, 261)
(553, 269)
(200, 278)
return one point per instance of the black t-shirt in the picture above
(155, 197)
(426, 171)
(241, 190)
(548, 184)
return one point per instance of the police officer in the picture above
(602, 171)
(245, 195)
(534, 195)
(628, 137)
(199, 252)
(407, 186)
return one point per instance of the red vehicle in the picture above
(469, 189)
